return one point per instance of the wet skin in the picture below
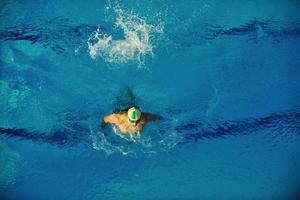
(121, 121)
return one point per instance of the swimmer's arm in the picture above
(152, 117)
(108, 119)
(112, 118)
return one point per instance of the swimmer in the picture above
(131, 120)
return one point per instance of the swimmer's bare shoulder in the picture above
(122, 122)
(113, 118)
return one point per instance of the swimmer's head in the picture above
(134, 115)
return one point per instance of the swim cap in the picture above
(134, 114)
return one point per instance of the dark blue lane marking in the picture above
(256, 27)
(287, 122)
(57, 138)
(54, 34)
(59, 32)
(253, 29)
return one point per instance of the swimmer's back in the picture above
(121, 121)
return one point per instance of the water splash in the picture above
(137, 42)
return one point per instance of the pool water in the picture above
(224, 75)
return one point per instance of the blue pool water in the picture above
(223, 74)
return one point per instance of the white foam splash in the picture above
(100, 143)
(136, 44)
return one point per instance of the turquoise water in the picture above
(223, 74)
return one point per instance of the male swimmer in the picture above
(130, 121)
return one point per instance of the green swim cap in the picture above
(134, 114)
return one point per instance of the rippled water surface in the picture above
(224, 75)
